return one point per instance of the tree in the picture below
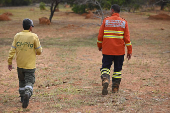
(54, 4)
(80, 9)
(133, 5)
(94, 2)
(38, 1)
(15, 2)
(162, 3)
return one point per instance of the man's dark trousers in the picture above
(118, 60)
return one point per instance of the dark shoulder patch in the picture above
(107, 17)
(124, 19)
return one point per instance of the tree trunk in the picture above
(54, 4)
(163, 5)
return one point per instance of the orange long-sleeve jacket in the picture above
(114, 35)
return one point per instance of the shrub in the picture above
(19, 2)
(42, 6)
(167, 7)
(15, 2)
(79, 8)
(26, 2)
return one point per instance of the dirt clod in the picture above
(67, 6)
(57, 10)
(32, 9)
(160, 16)
(44, 20)
(4, 17)
(8, 13)
(89, 15)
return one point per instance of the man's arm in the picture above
(100, 36)
(37, 45)
(128, 42)
(11, 55)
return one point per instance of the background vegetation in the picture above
(15, 2)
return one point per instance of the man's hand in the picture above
(10, 67)
(100, 49)
(129, 56)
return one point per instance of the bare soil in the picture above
(68, 72)
(160, 16)
(4, 17)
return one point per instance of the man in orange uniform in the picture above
(112, 38)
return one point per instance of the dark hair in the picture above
(27, 23)
(26, 27)
(116, 8)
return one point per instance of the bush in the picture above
(79, 9)
(83, 8)
(19, 2)
(26, 2)
(167, 7)
(42, 6)
(15, 2)
(38, 1)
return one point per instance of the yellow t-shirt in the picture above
(26, 45)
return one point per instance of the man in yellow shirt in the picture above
(26, 46)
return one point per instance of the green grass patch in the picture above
(145, 42)
(6, 41)
(70, 43)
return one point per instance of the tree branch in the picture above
(95, 2)
(53, 7)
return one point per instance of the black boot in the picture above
(22, 99)
(115, 84)
(26, 100)
(105, 83)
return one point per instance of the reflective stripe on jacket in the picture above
(114, 35)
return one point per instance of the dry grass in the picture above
(68, 76)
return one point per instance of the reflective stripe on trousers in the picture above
(105, 71)
(117, 75)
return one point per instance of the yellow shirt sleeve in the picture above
(12, 52)
(37, 45)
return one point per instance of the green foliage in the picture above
(42, 6)
(167, 7)
(19, 2)
(119, 2)
(1, 1)
(5, 1)
(134, 4)
(83, 8)
(105, 4)
(38, 1)
(79, 8)
(27, 2)
(127, 5)
(15, 2)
